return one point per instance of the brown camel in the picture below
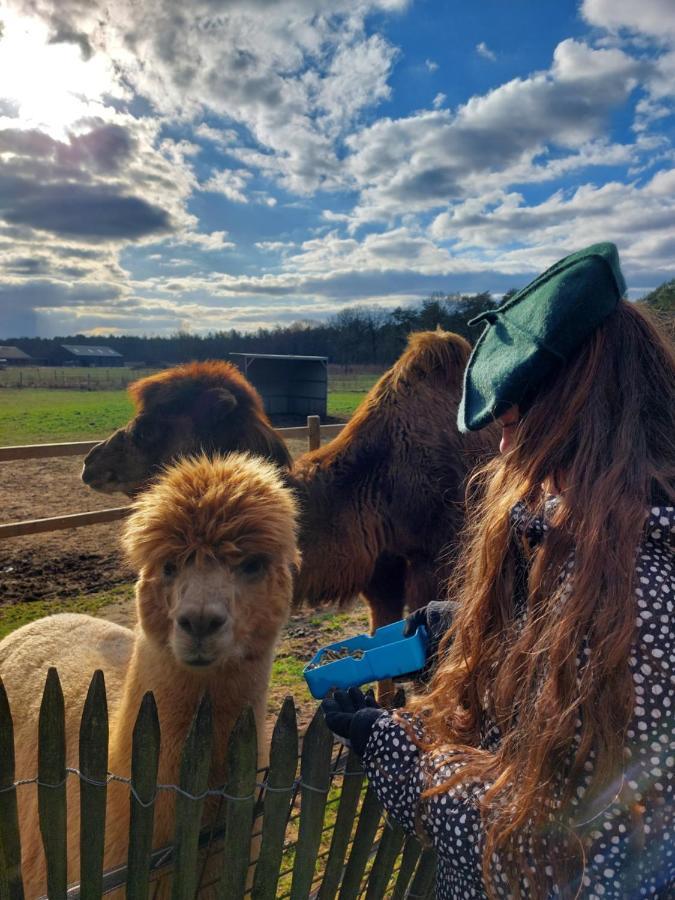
(206, 406)
(379, 504)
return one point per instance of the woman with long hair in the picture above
(539, 760)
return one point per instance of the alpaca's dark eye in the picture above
(253, 566)
(169, 569)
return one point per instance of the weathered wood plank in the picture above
(315, 774)
(81, 448)
(388, 850)
(280, 780)
(364, 838)
(241, 766)
(94, 766)
(425, 875)
(52, 786)
(194, 777)
(144, 765)
(11, 885)
(313, 432)
(58, 523)
(41, 451)
(411, 853)
(349, 801)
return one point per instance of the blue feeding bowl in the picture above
(386, 654)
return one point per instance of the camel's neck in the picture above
(177, 693)
(339, 537)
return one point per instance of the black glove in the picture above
(436, 617)
(350, 715)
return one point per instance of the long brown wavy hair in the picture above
(603, 431)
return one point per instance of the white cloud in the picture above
(215, 240)
(439, 100)
(653, 17)
(294, 73)
(423, 161)
(229, 182)
(641, 24)
(431, 65)
(355, 79)
(274, 246)
(221, 137)
(638, 218)
(483, 50)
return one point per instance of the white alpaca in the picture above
(214, 542)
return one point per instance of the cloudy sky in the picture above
(209, 164)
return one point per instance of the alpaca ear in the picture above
(221, 401)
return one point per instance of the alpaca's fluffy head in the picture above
(207, 405)
(214, 541)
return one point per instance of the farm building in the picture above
(12, 356)
(85, 355)
(288, 385)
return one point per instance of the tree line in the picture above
(354, 336)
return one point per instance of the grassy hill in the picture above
(662, 298)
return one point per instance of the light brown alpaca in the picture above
(215, 545)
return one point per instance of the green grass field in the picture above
(33, 416)
(13, 617)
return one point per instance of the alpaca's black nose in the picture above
(199, 627)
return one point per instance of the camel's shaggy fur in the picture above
(207, 406)
(215, 545)
(383, 502)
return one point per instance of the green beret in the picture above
(531, 335)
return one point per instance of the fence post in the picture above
(242, 756)
(315, 783)
(349, 800)
(314, 429)
(388, 850)
(423, 883)
(144, 764)
(93, 765)
(280, 781)
(194, 778)
(411, 853)
(364, 838)
(52, 786)
(11, 885)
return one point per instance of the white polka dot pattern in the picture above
(630, 848)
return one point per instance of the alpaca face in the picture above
(212, 606)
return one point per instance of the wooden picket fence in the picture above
(320, 831)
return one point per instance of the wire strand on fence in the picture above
(211, 792)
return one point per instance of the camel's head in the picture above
(200, 406)
(214, 541)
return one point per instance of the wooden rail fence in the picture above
(319, 833)
(313, 432)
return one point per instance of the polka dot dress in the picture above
(630, 846)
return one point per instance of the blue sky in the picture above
(215, 164)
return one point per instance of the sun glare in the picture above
(50, 86)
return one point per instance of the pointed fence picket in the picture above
(271, 834)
